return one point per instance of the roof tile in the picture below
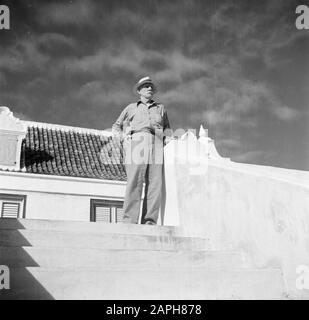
(69, 153)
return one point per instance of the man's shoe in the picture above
(150, 223)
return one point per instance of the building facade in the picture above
(58, 172)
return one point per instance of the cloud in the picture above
(22, 116)
(77, 13)
(23, 56)
(229, 144)
(213, 90)
(20, 104)
(286, 113)
(127, 60)
(94, 93)
(245, 30)
(55, 43)
(2, 79)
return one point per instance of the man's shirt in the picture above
(138, 116)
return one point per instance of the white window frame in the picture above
(112, 203)
(16, 199)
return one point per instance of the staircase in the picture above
(85, 260)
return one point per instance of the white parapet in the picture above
(187, 155)
(12, 132)
(259, 210)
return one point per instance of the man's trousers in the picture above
(144, 163)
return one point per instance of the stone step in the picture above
(74, 239)
(115, 259)
(81, 226)
(145, 284)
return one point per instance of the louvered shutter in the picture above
(10, 210)
(119, 214)
(102, 213)
(109, 211)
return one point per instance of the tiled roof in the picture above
(71, 151)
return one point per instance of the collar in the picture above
(151, 103)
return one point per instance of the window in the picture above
(109, 211)
(12, 206)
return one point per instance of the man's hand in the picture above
(168, 139)
(118, 135)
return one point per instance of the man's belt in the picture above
(149, 130)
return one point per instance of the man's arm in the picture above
(166, 123)
(117, 127)
(166, 128)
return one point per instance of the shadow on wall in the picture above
(23, 285)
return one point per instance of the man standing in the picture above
(142, 124)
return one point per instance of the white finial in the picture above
(203, 132)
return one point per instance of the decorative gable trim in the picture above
(12, 133)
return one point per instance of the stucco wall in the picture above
(259, 210)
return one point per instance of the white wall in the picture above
(62, 198)
(259, 210)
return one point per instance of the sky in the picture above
(240, 68)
